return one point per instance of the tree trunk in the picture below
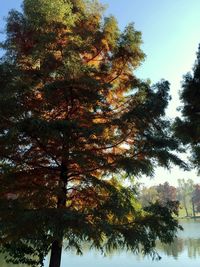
(185, 206)
(56, 247)
(193, 208)
(56, 251)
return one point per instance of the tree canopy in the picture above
(188, 126)
(74, 119)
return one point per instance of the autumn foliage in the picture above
(74, 120)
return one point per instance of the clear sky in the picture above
(170, 30)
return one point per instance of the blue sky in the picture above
(170, 30)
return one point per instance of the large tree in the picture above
(74, 119)
(188, 126)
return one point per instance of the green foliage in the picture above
(188, 127)
(185, 193)
(148, 196)
(41, 11)
(38, 228)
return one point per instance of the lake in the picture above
(184, 252)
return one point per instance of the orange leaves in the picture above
(99, 120)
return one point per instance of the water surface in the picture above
(184, 252)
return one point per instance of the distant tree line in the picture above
(186, 194)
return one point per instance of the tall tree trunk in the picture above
(193, 208)
(185, 206)
(56, 251)
(56, 247)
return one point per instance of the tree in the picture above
(185, 194)
(74, 117)
(166, 193)
(162, 194)
(196, 197)
(148, 196)
(188, 126)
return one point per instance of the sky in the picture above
(170, 33)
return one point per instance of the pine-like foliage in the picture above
(188, 127)
(74, 116)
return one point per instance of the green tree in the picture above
(73, 114)
(188, 126)
(148, 195)
(185, 192)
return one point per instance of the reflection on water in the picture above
(190, 245)
(185, 251)
(188, 241)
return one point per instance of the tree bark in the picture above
(56, 247)
(185, 206)
(193, 208)
(56, 251)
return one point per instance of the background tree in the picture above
(196, 197)
(73, 114)
(162, 193)
(185, 192)
(188, 126)
(148, 195)
(166, 193)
